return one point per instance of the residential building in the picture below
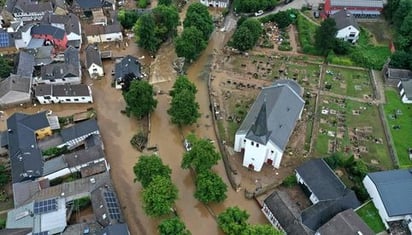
(77, 134)
(60, 7)
(97, 33)
(126, 70)
(325, 190)
(266, 130)
(394, 76)
(405, 91)
(116, 229)
(347, 223)
(358, 8)
(23, 37)
(42, 55)
(83, 7)
(25, 64)
(215, 3)
(28, 10)
(64, 94)
(51, 34)
(7, 43)
(348, 28)
(94, 64)
(391, 193)
(15, 90)
(106, 206)
(70, 23)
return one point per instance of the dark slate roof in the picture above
(283, 106)
(128, 66)
(279, 205)
(320, 213)
(347, 223)
(389, 182)
(43, 90)
(44, 29)
(93, 56)
(79, 129)
(407, 86)
(357, 3)
(83, 156)
(53, 165)
(70, 22)
(32, 6)
(25, 65)
(321, 180)
(402, 74)
(71, 90)
(344, 19)
(59, 71)
(15, 231)
(15, 83)
(98, 29)
(72, 57)
(115, 229)
(24, 191)
(3, 139)
(25, 156)
(92, 4)
(42, 55)
(101, 204)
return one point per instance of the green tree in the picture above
(202, 156)
(390, 9)
(4, 175)
(198, 16)
(283, 19)
(210, 187)
(183, 83)
(246, 35)
(233, 221)
(164, 2)
(127, 18)
(142, 3)
(145, 34)
(173, 226)
(249, 6)
(139, 99)
(159, 196)
(325, 39)
(190, 43)
(166, 19)
(254, 26)
(403, 9)
(261, 229)
(5, 67)
(147, 167)
(184, 110)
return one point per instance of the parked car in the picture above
(259, 13)
(187, 145)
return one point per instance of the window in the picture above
(253, 159)
(76, 99)
(257, 145)
(68, 100)
(47, 97)
(244, 141)
(352, 35)
(83, 98)
(94, 70)
(272, 152)
(253, 143)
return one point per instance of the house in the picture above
(325, 190)
(394, 76)
(46, 216)
(42, 55)
(347, 223)
(282, 214)
(215, 3)
(405, 91)
(97, 33)
(106, 206)
(51, 34)
(83, 7)
(70, 23)
(116, 229)
(7, 43)
(28, 10)
(60, 7)
(25, 64)
(64, 94)
(348, 28)
(358, 8)
(126, 70)
(23, 36)
(75, 135)
(23, 131)
(66, 72)
(391, 193)
(94, 63)
(15, 90)
(266, 130)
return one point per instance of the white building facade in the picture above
(349, 33)
(215, 3)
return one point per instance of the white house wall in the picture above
(220, 4)
(313, 198)
(99, 70)
(60, 81)
(272, 219)
(71, 144)
(276, 156)
(376, 199)
(254, 154)
(58, 174)
(111, 37)
(65, 99)
(345, 32)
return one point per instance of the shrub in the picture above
(290, 181)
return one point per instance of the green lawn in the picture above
(401, 136)
(307, 32)
(370, 216)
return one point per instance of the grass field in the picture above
(370, 216)
(306, 31)
(399, 119)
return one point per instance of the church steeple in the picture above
(260, 128)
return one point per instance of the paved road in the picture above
(296, 4)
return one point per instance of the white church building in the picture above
(266, 130)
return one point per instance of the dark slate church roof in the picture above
(399, 181)
(274, 114)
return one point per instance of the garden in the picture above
(399, 119)
(370, 215)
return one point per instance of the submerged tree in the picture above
(148, 167)
(139, 99)
(159, 196)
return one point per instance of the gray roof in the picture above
(25, 156)
(70, 22)
(25, 65)
(407, 86)
(280, 206)
(321, 180)
(103, 199)
(72, 56)
(44, 29)
(79, 129)
(15, 83)
(59, 71)
(53, 165)
(357, 3)
(93, 56)
(43, 89)
(389, 182)
(115, 229)
(92, 4)
(321, 212)
(15, 231)
(347, 223)
(24, 190)
(32, 6)
(65, 90)
(42, 55)
(97, 29)
(402, 74)
(344, 19)
(83, 156)
(128, 66)
(275, 111)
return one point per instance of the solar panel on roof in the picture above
(4, 39)
(45, 206)
(112, 205)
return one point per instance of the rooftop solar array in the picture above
(42, 207)
(112, 205)
(42, 233)
(4, 39)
